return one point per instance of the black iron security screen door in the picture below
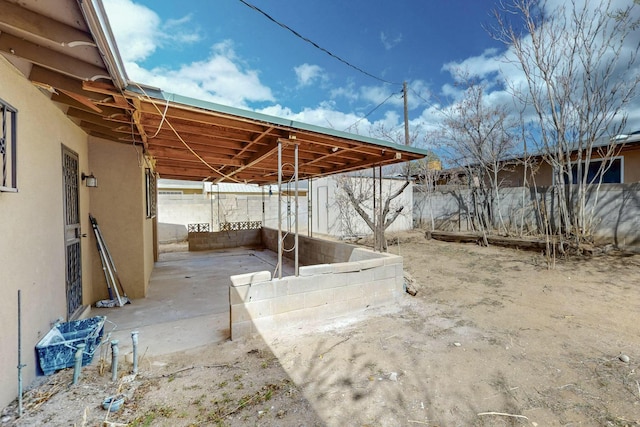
(72, 231)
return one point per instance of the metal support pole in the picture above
(114, 360)
(296, 210)
(279, 210)
(134, 340)
(380, 218)
(263, 212)
(375, 224)
(310, 208)
(78, 365)
(218, 219)
(211, 204)
(288, 206)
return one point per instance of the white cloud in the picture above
(486, 64)
(135, 27)
(140, 32)
(308, 74)
(327, 116)
(378, 94)
(222, 77)
(323, 115)
(348, 92)
(181, 31)
(417, 94)
(390, 43)
(218, 79)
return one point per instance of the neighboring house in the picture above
(70, 117)
(624, 166)
(446, 202)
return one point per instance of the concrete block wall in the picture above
(616, 211)
(262, 305)
(224, 239)
(311, 251)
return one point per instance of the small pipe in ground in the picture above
(114, 360)
(78, 365)
(134, 339)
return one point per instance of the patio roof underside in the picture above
(194, 144)
(52, 45)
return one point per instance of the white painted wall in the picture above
(330, 216)
(177, 211)
(617, 215)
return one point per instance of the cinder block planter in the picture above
(337, 279)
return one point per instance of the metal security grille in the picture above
(74, 279)
(8, 142)
(242, 225)
(70, 170)
(152, 198)
(72, 231)
(198, 228)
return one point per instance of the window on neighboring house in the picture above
(613, 174)
(8, 147)
(152, 202)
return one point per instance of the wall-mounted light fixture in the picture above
(89, 180)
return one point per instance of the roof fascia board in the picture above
(601, 142)
(160, 95)
(98, 23)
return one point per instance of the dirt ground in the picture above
(493, 338)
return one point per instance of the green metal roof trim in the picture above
(247, 114)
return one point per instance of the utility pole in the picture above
(407, 141)
(406, 114)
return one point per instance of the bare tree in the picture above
(379, 215)
(347, 219)
(479, 136)
(377, 208)
(578, 60)
(427, 171)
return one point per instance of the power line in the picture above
(370, 112)
(314, 44)
(430, 103)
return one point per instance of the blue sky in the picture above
(226, 52)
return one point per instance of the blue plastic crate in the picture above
(57, 349)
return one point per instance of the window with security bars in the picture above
(8, 147)
(152, 198)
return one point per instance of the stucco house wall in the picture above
(32, 253)
(119, 206)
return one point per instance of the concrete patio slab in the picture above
(187, 305)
